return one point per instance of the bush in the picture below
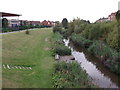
(98, 48)
(27, 32)
(62, 50)
(113, 39)
(64, 33)
(57, 29)
(59, 47)
(6, 30)
(79, 40)
(58, 38)
(115, 67)
(106, 54)
(70, 75)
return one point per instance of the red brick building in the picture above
(47, 23)
(111, 17)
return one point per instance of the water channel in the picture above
(99, 74)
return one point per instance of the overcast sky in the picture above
(56, 10)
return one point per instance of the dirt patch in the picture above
(46, 49)
(46, 39)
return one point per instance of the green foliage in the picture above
(70, 75)
(6, 30)
(4, 23)
(28, 27)
(108, 55)
(58, 38)
(57, 29)
(104, 31)
(59, 47)
(115, 67)
(118, 16)
(64, 33)
(70, 28)
(62, 50)
(79, 40)
(113, 39)
(98, 48)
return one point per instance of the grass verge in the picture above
(21, 49)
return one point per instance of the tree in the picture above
(4, 23)
(118, 16)
(65, 23)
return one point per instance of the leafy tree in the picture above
(118, 15)
(4, 23)
(65, 23)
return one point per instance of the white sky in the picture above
(56, 10)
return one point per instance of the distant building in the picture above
(47, 23)
(24, 22)
(35, 23)
(111, 17)
(13, 24)
(102, 20)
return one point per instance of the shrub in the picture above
(62, 50)
(109, 55)
(70, 75)
(79, 40)
(59, 47)
(98, 48)
(57, 27)
(115, 67)
(27, 32)
(58, 38)
(113, 39)
(6, 30)
(64, 33)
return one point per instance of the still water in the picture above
(99, 74)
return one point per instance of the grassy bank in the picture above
(70, 75)
(32, 49)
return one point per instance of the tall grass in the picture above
(70, 75)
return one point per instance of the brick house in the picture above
(47, 23)
(111, 17)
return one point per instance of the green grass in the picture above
(32, 49)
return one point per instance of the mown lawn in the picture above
(34, 49)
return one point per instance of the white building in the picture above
(13, 23)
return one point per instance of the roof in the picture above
(4, 14)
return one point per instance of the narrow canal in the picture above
(99, 74)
